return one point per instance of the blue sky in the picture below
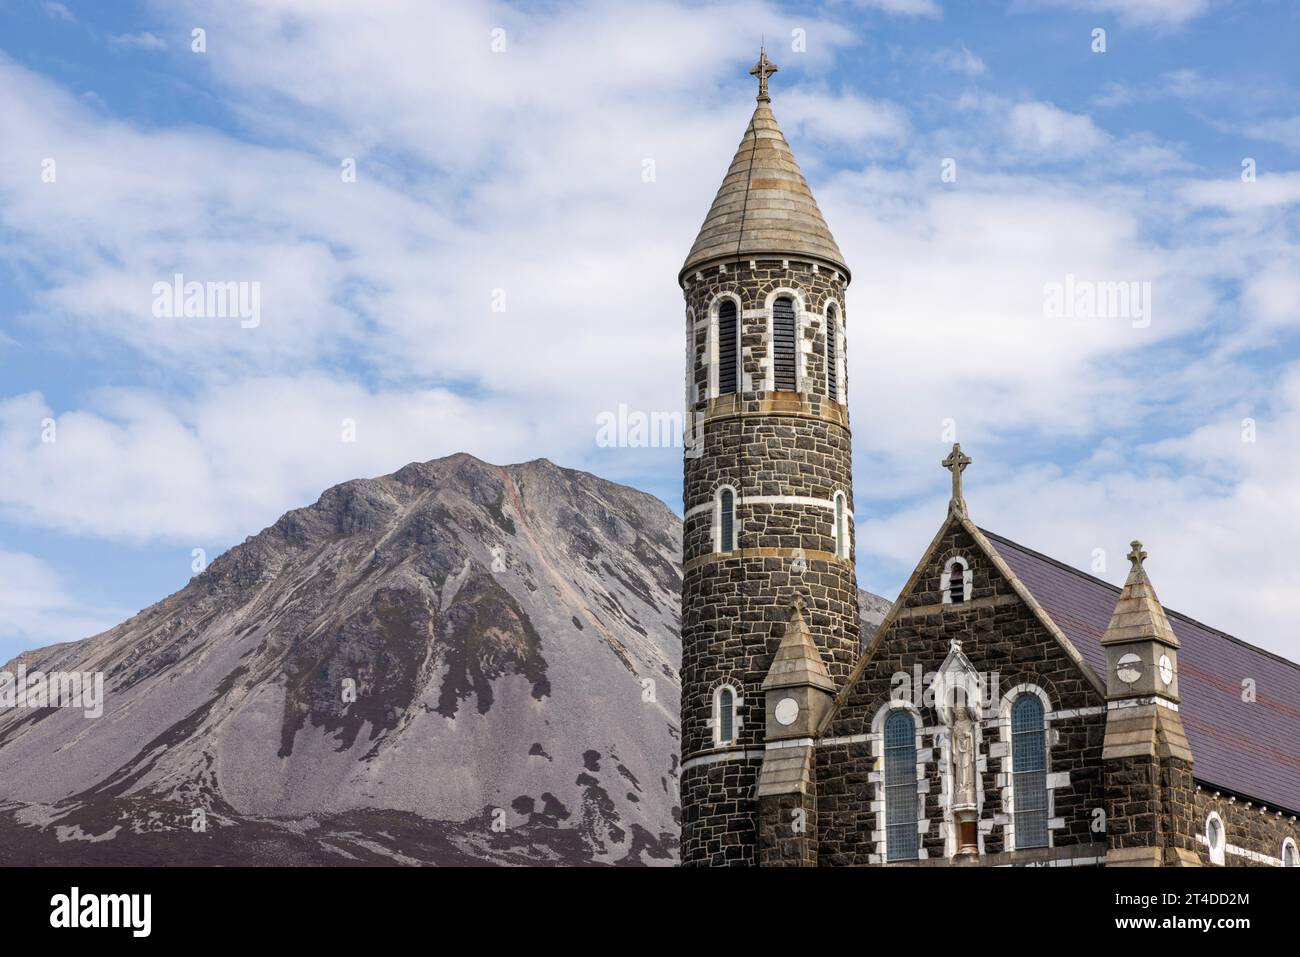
(516, 176)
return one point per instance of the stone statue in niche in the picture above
(963, 758)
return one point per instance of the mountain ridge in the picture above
(508, 636)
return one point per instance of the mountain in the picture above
(457, 663)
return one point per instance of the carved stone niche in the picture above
(959, 697)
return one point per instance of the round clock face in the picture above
(1129, 668)
(787, 709)
(1166, 669)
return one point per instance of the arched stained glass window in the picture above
(1029, 766)
(728, 347)
(902, 842)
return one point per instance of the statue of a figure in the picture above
(963, 758)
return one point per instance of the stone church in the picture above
(1010, 709)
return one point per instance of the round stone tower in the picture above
(768, 485)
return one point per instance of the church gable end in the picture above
(973, 630)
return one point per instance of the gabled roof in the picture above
(957, 515)
(1251, 749)
(764, 206)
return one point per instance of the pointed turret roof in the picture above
(1138, 613)
(797, 661)
(764, 206)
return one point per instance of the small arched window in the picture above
(833, 354)
(1290, 857)
(724, 715)
(785, 343)
(841, 531)
(726, 520)
(728, 347)
(1029, 767)
(902, 841)
(956, 583)
(1216, 839)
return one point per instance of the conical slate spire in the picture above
(797, 661)
(764, 206)
(1138, 613)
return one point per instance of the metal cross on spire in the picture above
(956, 463)
(763, 69)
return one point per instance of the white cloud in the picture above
(914, 8)
(57, 11)
(1051, 132)
(1158, 13)
(959, 59)
(137, 41)
(228, 462)
(37, 608)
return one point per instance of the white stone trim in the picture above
(1136, 702)
(1216, 854)
(967, 578)
(735, 754)
(845, 739)
(1067, 713)
(808, 500)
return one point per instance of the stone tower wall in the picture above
(786, 455)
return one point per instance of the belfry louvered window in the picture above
(784, 344)
(1029, 766)
(901, 840)
(726, 521)
(728, 347)
(832, 355)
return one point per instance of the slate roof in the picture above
(1247, 749)
(764, 206)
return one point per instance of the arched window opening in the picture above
(727, 521)
(832, 354)
(841, 526)
(1215, 837)
(785, 374)
(902, 841)
(1029, 767)
(728, 348)
(1290, 857)
(724, 718)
